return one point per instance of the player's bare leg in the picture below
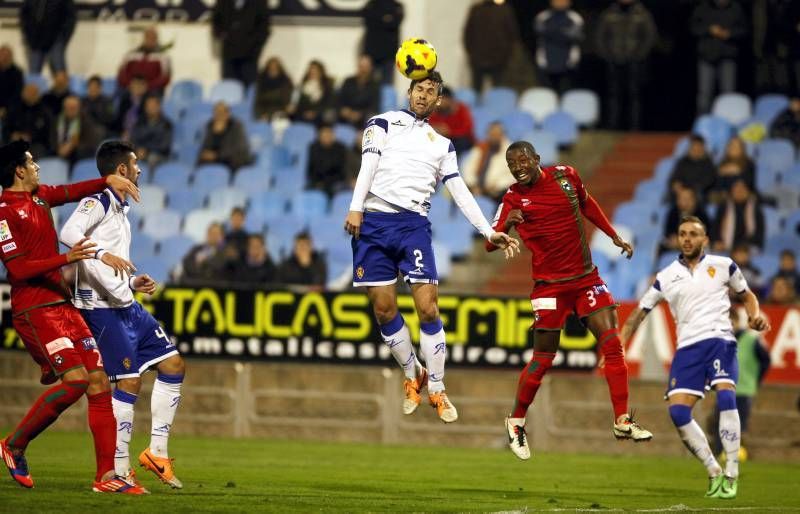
(397, 337)
(164, 402)
(603, 325)
(433, 348)
(545, 345)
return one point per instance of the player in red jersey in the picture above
(50, 327)
(546, 207)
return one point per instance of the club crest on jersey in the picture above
(5, 232)
(711, 271)
(673, 382)
(360, 272)
(431, 136)
(87, 206)
(565, 185)
(39, 201)
(126, 363)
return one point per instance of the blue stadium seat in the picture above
(444, 259)
(252, 178)
(563, 126)
(153, 198)
(156, 267)
(172, 175)
(162, 225)
(665, 260)
(289, 180)
(791, 178)
(481, 119)
(388, 98)
(663, 169)
(308, 205)
(345, 134)
(211, 177)
(787, 240)
(775, 156)
(539, 102)
(500, 100)
(767, 264)
(299, 135)
(110, 86)
(772, 221)
(441, 210)
(196, 222)
(142, 247)
(517, 123)
(185, 200)
(186, 93)
(77, 84)
(735, 108)
(274, 157)
(487, 205)
(466, 95)
(53, 170)
(583, 105)
(681, 147)
(173, 250)
(649, 191)
(84, 169)
(637, 215)
(260, 135)
(791, 224)
(340, 204)
(456, 234)
(225, 199)
(328, 235)
(40, 80)
(267, 205)
(715, 130)
(243, 112)
(769, 106)
(546, 145)
(284, 229)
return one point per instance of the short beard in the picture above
(693, 255)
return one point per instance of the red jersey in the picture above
(553, 228)
(29, 244)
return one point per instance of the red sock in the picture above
(104, 430)
(47, 408)
(616, 371)
(529, 381)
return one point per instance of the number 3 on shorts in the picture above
(592, 299)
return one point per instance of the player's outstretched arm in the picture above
(502, 240)
(23, 268)
(755, 319)
(632, 324)
(594, 213)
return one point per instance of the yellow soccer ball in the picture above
(415, 58)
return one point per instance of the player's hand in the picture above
(120, 265)
(352, 223)
(514, 218)
(758, 323)
(123, 184)
(83, 249)
(509, 245)
(627, 248)
(144, 284)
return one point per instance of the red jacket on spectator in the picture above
(149, 62)
(458, 122)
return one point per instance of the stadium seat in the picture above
(225, 199)
(791, 224)
(327, 234)
(309, 205)
(517, 123)
(345, 134)
(649, 192)
(244, 113)
(769, 106)
(466, 95)
(583, 105)
(546, 145)
(172, 175)
(636, 214)
(209, 177)
(388, 98)
(274, 157)
(185, 200)
(53, 170)
(299, 135)
(173, 250)
(444, 260)
(162, 225)
(84, 169)
(563, 126)
(284, 229)
(154, 198)
(500, 100)
(156, 267)
(487, 205)
(340, 204)
(142, 247)
(186, 92)
(602, 243)
(196, 223)
(252, 178)
(441, 210)
(735, 108)
(787, 240)
(40, 80)
(288, 180)
(539, 102)
(681, 147)
(456, 234)
(260, 135)
(772, 221)
(715, 130)
(775, 156)
(110, 86)
(481, 119)
(267, 205)
(791, 178)
(77, 85)
(663, 169)
(665, 259)
(767, 264)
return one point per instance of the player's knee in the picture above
(175, 365)
(428, 312)
(130, 385)
(681, 415)
(77, 375)
(98, 383)
(384, 312)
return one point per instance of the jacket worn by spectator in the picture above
(242, 32)
(560, 33)
(625, 34)
(151, 65)
(730, 17)
(154, 135)
(231, 144)
(46, 21)
(489, 35)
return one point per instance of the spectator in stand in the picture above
(31, 121)
(256, 267)
(736, 164)
(794, 45)
(382, 20)
(755, 280)
(273, 91)
(485, 171)
(236, 235)
(47, 27)
(77, 136)
(206, 262)
(131, 106)
(53, 99)
(359, 96)
(626, 33)
(740, 219)
(11, 81)
(774, 28)
(787, 268)
(305, 266)
(149, 61)
(781, 292)
(453, 120)
(718, 26)
(686, 203)
(560, 31)
(787, 124)
(242, 28)
(327, 161)
(152, 134)
(225, 140)
(489, 38)
(314, 98)
(99, 107)
(694, 170)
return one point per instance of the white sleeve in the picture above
(736, 281)
(371, 147)
(651, 297)
(89, 213)
(466, 202)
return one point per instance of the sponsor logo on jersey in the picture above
(126, 363)
(711, 271)
(89, 343)
(525, 202)
(5, 232)
(360, 272)
(543, 304)
(87, 206)
(598, 290)
(55, 346)
(9, 246)
(398, 123)
(22, 214)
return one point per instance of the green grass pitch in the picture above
(226, 475)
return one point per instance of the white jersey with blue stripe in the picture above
(413, 159)
(698, 299)
(103, 219)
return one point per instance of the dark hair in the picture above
(12, 155)
(697, 138)
(303, 235)
(693, 219)
(111, 154)
(446, 91)
(434, 77)
(741, 247)
(787, 253)
(523, 146)
(237, 210)
(95, 78)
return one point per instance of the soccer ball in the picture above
(415, 58)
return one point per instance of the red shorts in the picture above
(553, 302)
(58, 339)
